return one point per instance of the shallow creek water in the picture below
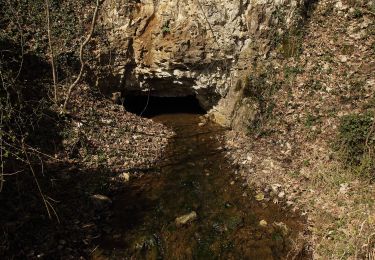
(195, 176)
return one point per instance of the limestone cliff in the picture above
(184, 47)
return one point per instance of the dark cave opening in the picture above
(150, 106)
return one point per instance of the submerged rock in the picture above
(186, 219)
(100, 201)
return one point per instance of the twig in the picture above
(41, 153)
(1, 153)
(367, 12)
(51, 52)
(37, 182)
(30, 148)
(148, 99)
(88, 38)
(21, 38)
(54, 211)
(92, 251)
(218, 44)
(371, 130)
(369, 245)
(13, 173)
(359, 234)
(15, 155)
(52, 199)
(209, 24)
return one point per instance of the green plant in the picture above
(238, 85)
(315, 85)
(329, 9)
(347, 49)
(291, 45)
(165, 29)
(357, 85)
(356, 141)
(311, 120)
(255, 87)
(356, 89)
(306, 163)
(357, 13)
(372, 7)
(369, 104)
(259, 87)
(366, 167)
(291, 72)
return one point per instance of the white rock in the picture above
(343, 58)
(186, 219)
(289, 203)
(125, 177)
(340, 6)
(344, 188)
(275, 187)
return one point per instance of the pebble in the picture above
(343, 58)
(289, 203)
(100, 201)
(263, 223)
(275, 188)
(186, 219)
(281, 195)
(259, 197)
(125, 177)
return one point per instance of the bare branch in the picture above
(209, 24)
(36, 181)
(1, 154)
(88, 38)
(369, 134)
(16, 14)
(51, 51)
(367, 12)
(13, 173)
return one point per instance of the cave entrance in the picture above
(150, 106)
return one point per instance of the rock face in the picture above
(196, 47)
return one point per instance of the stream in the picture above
(196, 182)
